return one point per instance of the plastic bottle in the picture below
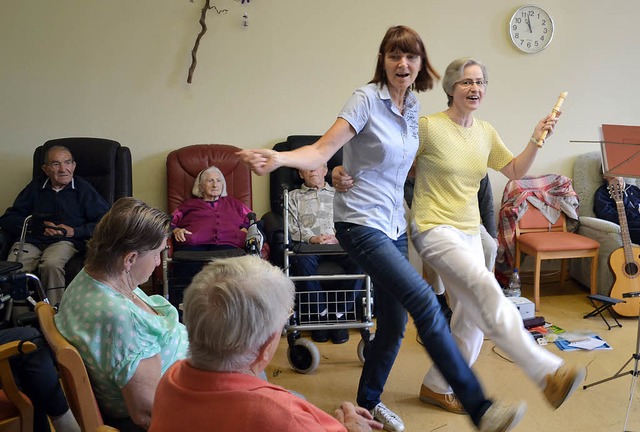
(514, 288)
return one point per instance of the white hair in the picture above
(196, 191)
(231, 309)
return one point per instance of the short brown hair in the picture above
(131, 225)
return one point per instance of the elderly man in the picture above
(65, 208)
(311, 221)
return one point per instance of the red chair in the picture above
(183, 166)
(538, 238)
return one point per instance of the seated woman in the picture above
(126, 338)
(213, 220)
(234, 326)
(209, 222)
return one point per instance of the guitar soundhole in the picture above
(631, 269)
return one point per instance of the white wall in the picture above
(118, 68)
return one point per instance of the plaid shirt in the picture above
(310, 212)
(551, 194)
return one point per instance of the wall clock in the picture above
(531, 29)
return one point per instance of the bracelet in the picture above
(538, 143)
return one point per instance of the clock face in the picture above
(531, 29)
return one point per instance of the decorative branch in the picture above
(203, 24)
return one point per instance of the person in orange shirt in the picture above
(234, 325)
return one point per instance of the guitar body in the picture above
(627, 279)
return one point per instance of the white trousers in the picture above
(478, 304)
(489, 248)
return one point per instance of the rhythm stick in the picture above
(554, 113)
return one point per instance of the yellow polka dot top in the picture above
(450, 163)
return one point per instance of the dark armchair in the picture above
(102, 162)
(287, 178)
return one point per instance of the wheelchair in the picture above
(173, 285)
(18, 290)
(302, 353)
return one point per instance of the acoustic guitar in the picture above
(625, 261)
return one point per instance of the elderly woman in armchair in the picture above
(212, 220)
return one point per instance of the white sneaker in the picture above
(502, 418)
(390, 420)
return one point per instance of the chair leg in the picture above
(536, 283)
(563, 272)
(594, 274)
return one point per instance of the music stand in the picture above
(620, 149)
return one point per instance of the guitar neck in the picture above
(624, 231)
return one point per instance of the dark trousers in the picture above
(37, 377)
(400, 289)
(312, 297)
(183, 271)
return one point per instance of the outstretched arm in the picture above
(264, 161)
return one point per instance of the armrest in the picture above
(6, 240)
(604, 232)
(599, 225)
(273, 226)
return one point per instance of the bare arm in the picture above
(520, 165)
(263, 161)
(139, 392)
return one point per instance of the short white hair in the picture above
(232, 308)
(196, 191)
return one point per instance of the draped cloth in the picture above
(552, 194)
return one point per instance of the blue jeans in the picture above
(398, 289)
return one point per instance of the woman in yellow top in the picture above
(455, 151)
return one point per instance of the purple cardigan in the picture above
(217, 224)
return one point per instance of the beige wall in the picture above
(117, 69)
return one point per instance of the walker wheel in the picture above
(362, 345)
(304, 356)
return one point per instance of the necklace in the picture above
(399, 106)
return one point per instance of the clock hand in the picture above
(528, 20)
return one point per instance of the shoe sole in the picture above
(515, 419)
(388, 428)
(437, 403)
(512, 422)
(577, 381)
(392, 429)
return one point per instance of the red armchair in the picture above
(183, 166)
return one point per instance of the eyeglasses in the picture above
(470, 83)
(58, 164)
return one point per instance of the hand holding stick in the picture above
(554, 113)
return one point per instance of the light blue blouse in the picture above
(378, 158)
(113, 335)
